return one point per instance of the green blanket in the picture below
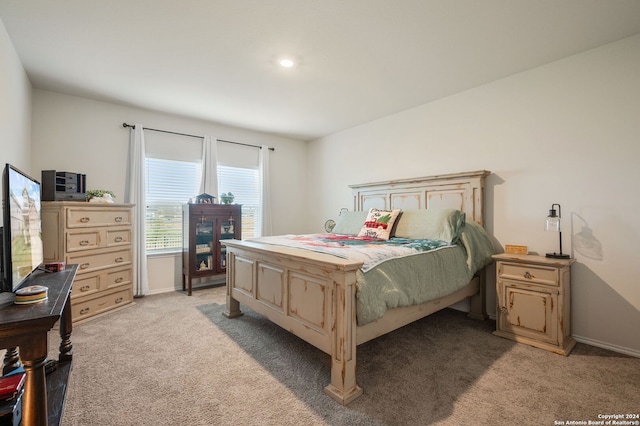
(426, 276)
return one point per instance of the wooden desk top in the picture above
(39, 316)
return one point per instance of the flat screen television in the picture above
(22, 250)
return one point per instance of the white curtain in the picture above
(137, 196)
(265, 192)
(209, 183)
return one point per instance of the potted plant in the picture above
(227, 198)
(100, 196)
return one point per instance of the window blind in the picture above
(169, 185)
(244, 184)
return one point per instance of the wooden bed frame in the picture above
(312, 295)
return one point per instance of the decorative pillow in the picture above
(379, 223)
(349, 223)
(431, 224)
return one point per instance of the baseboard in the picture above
(162, 290)
(609, 346)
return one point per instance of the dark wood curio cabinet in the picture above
(203, 226)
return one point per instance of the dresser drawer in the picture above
(83, 240)
(84, 286)
(100, 260)
(118, 237)
(78, 217)
(529, 273)
(103, 303)
(88, 284)
(118, 278)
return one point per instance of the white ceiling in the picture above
(358, 60)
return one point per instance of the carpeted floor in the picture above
(171, 359)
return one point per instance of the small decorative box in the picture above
(513, 249)
(31, 294)
(54, 266)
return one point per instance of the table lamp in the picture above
(553, 224)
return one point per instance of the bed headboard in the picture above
(462, 191)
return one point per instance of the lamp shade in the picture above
(553, 224)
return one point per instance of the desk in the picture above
(27, 327)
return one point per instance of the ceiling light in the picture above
(286, 63)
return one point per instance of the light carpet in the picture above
(171, 359)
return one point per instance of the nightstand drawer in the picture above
(528, 273)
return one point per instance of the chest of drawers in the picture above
(97, 237)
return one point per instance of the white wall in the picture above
(82, 135)
(15, 108)
(567, 132)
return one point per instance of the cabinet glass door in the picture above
(204, 245)
(227, 232)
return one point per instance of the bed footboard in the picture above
(313, 297)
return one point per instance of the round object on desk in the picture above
(31, 294)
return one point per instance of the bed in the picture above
(313, 294)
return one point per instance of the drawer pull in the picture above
(119, 300)
(119, 259)
(527, 275)
(119, 280)
(84, 266)
(118, 239)
(504, 310)
(84, 243)
(85, 288)
(84, 311)
(118, 219)
(84, 219)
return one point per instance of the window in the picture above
(244, 184)
(170, 184)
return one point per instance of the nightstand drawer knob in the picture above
(504, 310)
(527, 275)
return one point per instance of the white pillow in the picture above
(349, 223)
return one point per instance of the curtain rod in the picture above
(195, 136)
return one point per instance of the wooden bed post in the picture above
(233, 306)
(343, 387)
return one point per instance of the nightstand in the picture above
(534, 301)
